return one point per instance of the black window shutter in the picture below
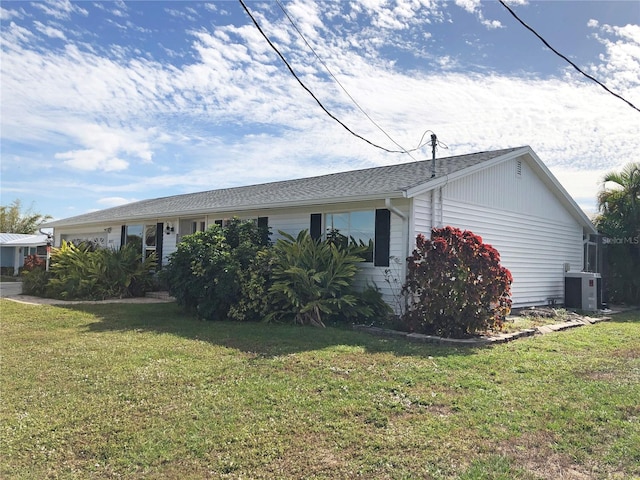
(316, 226)
(123, 236)
(159, 239)
(383, 236)
(263, 228)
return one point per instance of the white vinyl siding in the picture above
(534, 249)
(501, 187)
(521, 217)
(422, 217)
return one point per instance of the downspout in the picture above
(407, 223)
(405, 220)
(441, 204)
(433, 211)
(49, 245)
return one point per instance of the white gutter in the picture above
(391, 208)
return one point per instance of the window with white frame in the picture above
(352, 227)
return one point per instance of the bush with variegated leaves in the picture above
(455, 285)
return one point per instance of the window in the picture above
(357, 227)
(146, 239)
(369, 227)
(133, 235)
(198, 226)
(150, 238)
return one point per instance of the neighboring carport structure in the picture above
(14, 247)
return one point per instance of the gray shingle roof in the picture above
(379, 182)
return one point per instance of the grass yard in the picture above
(144, 391)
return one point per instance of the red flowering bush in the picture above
(455, 285)
(33, 262)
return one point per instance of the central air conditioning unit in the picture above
(583, 290)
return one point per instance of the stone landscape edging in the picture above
(482, 340)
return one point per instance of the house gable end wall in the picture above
(524, 220)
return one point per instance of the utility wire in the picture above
(255, 22)
(286, 13)
(438, 142)
(565, 58)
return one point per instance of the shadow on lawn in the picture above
(264, 339)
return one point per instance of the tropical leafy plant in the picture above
(70, 269)
(14, 220)
(34, 276)
(313, 281)
(82, 272)
(455, 285)
(34, 282)
(619, 221)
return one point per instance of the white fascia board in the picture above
(565, 198)
(230, 209)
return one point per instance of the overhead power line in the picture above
(565, 58)
(255, 22)
(286, 13)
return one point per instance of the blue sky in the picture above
(104, 103)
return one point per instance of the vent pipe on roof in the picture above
(434, 141)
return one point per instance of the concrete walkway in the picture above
(152, 297)
(10, 289)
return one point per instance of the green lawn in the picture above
(144, 391)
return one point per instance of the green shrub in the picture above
(83, 272)
(378, 313)
(455, 285)
(313, 280)
(255, 280)
(221, 273)
(34, 282)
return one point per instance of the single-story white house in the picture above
(15, 247)
(509, 197)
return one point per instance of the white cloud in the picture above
(474, 7)
(15, 37)
(238, 117)
(92, 159)
(6, 14)
(60, 9)
(49, 31)
(620, 65)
